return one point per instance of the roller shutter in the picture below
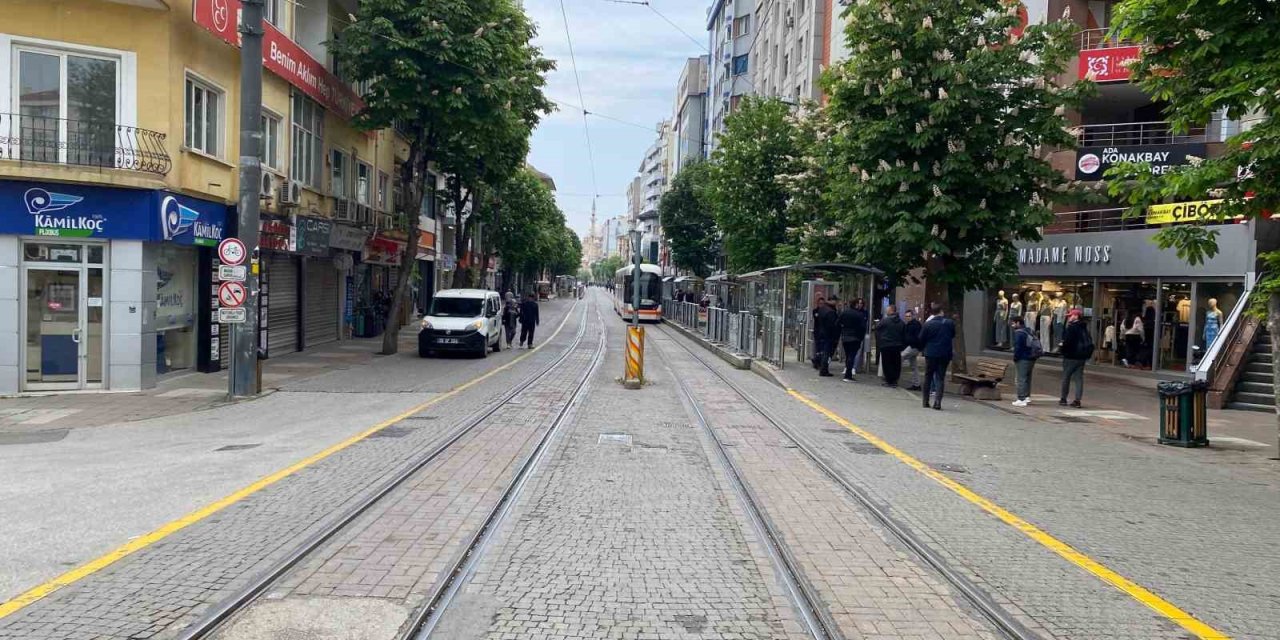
(282, 304)
(321, 302)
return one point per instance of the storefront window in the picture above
(1127, 316)
(1213, 305)
(175, 308)
(1175, 325)
(1043, 304)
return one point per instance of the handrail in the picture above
(1136, 133)
(31, 137)
(1100, 38)
(1208, 364)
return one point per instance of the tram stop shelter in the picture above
(782, 301)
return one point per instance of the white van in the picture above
(467, 320)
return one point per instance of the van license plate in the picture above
(448, 341)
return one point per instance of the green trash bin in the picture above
(1184, 418)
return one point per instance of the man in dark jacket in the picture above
(1077, 348)
(826, 324)
(936, 339)
(853, 330)
(891, 338)
(912, 353)
(528, 319)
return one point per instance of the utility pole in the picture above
(243, 379)
(635, 280)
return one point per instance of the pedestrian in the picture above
(528, 319)
(510, 316)
(937, 339)
(853, 330)
(1026, 349)
(891, 338)
(1077, 347)
(1133, 337)
(912, 353)
(826, 324)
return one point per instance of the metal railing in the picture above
(1211, 365)
(1094, 220)
(743, 333)
(1136, 133)
(717, 328)
(1101, 38)
(87, 143)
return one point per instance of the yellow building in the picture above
(119, 139)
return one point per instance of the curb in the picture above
(738, 362)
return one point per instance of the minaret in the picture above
(592, 234)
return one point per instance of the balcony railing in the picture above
(1136, 133)
(1101, 38)
(86, 143)
(1103, 220)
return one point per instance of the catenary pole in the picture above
(243, 379)
(635, 280)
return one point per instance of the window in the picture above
(383, 181)
(741, 26)
(364, 175)
(272, 13)
(68, 106)
(203, 117)
(739, 65)
(338, 179)
(271, 141)
(308, 138)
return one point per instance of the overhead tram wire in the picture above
(586, 128)
(646, 3)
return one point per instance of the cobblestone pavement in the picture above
(628, 531)
(172, 580)
(872, 586)
(1199, 528)
(403, 547)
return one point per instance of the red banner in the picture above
(1107, 65)
(281, 56)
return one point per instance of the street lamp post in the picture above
(635, 278)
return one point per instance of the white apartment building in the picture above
(793, 45)
(689, 122)
(730, 24)
(653, 183)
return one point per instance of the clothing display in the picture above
(1212, 325)
(1000, 322)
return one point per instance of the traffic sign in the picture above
(232, 251)
(229, 273)
(231, 294)
(235, 315)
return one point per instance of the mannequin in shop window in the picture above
(1133, 340)
(1015, 311)
(1059, 320)
(1109, 346)
(1001, 322)
(1034, 300)
(1046, 323)
(1212, 323)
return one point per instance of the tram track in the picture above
(1000, 619)
(215, 620)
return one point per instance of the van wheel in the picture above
(484, 351)
(497, 345)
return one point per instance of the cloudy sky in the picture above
(629, 61)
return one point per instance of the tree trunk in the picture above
(1273, 327)
(415, 181)
(461, 274)
(952, 300)
(955, 306)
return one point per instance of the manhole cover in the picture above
(33, 437)
(393, 432)
(238, 447)
(614, 438)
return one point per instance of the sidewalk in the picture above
(34, 417)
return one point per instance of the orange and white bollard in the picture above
(633, 377)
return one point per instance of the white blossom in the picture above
(915, 166)
(902, 187)
(942, 93)
(884, 165)
(982, 40)
(928, 22)
(937, 169)
(896, 54)
(1195, 161)
(1066, 13)
(865, 176)
(951, 146)
(937, 193)
(1203, 34)
(897, 74)
(919, 128)
(982, 204)
(899, 163)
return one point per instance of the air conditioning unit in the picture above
(344, 210)
(364, 214)
(291, 193)
(268, 188)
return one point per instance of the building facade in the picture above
(118, 149)
(730, 25)
(689, 121)
(794, 44)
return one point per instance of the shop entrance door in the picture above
(63, 322)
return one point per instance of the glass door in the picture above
(54, 326)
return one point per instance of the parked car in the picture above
(462, 320)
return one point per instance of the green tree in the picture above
(604, 270)
(685, 212)
(567, 255)
(759, 144)
(434, 69)
(527, 223)
(939, 122)
(1205, 59)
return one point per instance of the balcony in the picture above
(1113, 219)
(84, 143)
(1136, 133)
(1104, 58)
(1101, 38)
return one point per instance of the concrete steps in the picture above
(1255, 391)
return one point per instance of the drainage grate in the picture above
(238, 447)
(33, 437)
(614, 438)
(394, 432)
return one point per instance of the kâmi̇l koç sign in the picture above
(281, 56)
(1092, 162)
(84, 211)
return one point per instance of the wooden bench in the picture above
(981, 381)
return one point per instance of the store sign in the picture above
(383, 251)
(1196, 211)
(281, 56)
(1092, 162)
(313, 236)
(85, 211)
(1107, 65)
(347, 238)
(1077, 254)
(277, 235)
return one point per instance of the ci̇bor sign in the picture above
(1092, 162)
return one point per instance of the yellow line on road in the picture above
(111, 557)
(1134, 590)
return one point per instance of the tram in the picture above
(650, 292)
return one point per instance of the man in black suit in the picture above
(937, 338)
